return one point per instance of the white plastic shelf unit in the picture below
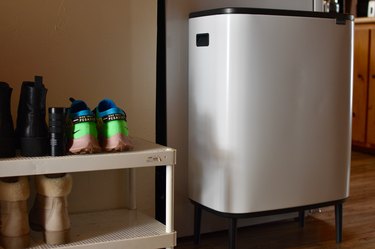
(121, 228)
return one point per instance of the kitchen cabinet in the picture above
(363, 128)
(120, 228)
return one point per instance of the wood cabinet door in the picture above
(371, 92)
(360, 83)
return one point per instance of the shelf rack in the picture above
(120, 228)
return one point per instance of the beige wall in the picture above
(89, 50)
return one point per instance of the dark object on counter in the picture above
(57, 131)
(32, 130)
(7, 137)
(362, 8)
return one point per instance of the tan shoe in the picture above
(50, 210)
(14, 229)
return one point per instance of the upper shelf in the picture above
(144, 154)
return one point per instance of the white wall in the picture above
(177, 12)
(89, 50)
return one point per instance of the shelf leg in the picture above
(169, 222)
(301, 218)
(233, 233)
(197, 223)
(131, 202)
(338, 219)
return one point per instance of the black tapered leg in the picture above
(197, 223)
(338, 219)
(301, 218)
(233, 233)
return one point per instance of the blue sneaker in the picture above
(112, 127)
(83, 134)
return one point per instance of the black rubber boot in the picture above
(32, 129)
(7, 137)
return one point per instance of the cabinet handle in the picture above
(360, 76)
(353, 114)
(373, 76)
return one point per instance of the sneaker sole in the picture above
(118, 142)
(85, 145)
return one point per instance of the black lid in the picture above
(276, 12)
(56, 110)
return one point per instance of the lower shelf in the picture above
(120, 228)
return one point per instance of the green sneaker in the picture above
(83, 133)
(112, 127)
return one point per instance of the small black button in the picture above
(203, 40)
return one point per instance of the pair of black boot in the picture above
(31, 133)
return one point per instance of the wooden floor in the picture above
(319, 230)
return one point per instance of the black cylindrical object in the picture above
(57, 131)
